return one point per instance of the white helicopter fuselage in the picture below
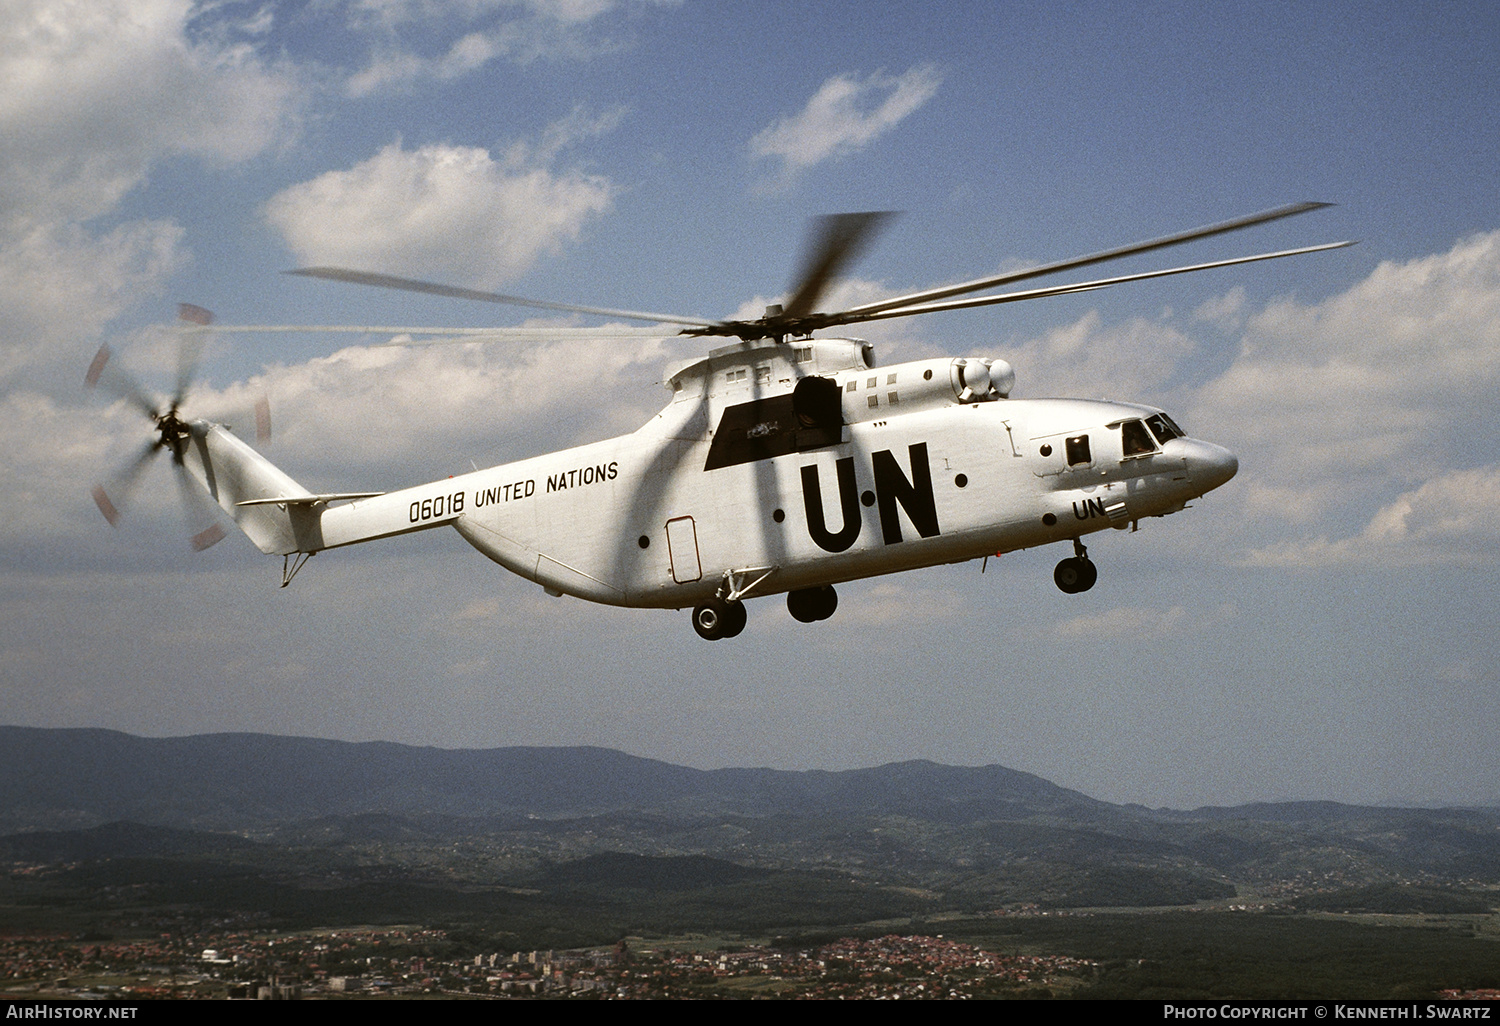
(740, 488)
(783, 463)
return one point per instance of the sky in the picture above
(1322, 627)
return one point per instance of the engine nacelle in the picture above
(1002, 377)
(923, 385)
(978, 380)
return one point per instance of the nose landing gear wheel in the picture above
(717, 619)
(1075, 574)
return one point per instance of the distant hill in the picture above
(51, 779)
(982, 835)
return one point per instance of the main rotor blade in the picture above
(1084, 286)
(836, 241)
(386, 281)
(448, 336)
(943, 292)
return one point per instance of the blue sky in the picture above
(1321, 627)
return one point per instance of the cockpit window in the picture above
(1135, 440)
(1164, 428)
(1078, 450)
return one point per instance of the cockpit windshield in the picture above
(1164, 427)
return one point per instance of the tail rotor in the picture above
(173, 433)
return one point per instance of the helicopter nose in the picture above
(1211, 465)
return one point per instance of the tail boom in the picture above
(282, 517)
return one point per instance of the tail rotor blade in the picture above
(260, 416)
(263, 421)
(96, 367)
(190, 314)
(196, 509)
(123, 485)
(207, 538)
(189, 347)
(118, 382)
(101, 499)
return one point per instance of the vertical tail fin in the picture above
(233, 473)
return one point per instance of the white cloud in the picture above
(462, 38)
(1372, 380)
(391, 417)
(1226, 311)
(1133, 359)
(60, 283)
(1338, 406)
(448, 212)
(892, 603)
(95, 95)
(845, 115)
(1144, 623)
(583, 123)
(391, 14)
(1449, 519)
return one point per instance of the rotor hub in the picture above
(174, 433)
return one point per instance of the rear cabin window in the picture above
(1078, 450)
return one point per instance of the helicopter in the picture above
(784, 463)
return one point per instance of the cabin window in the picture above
(1078, 450)
(803, 354)
(851, 386)
(890, 379)
(762, 375)
(1135, 440)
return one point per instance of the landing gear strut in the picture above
(810, 605)
(718, 618)
(1076, 573)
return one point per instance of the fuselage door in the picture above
(682, 546)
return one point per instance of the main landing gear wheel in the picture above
(717, 619)
(1075, 574)
(812, 604)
